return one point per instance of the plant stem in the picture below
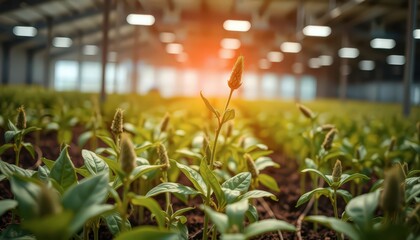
(335, 203)
(228, 101)
(95, 230)
(167, 197)
(206, 216)
(124, 206)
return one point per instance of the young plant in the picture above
(231, 225)
(16, 133)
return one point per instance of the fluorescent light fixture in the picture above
(25, 31)
(316, 31)
(291, 47)
(226, 53)
(275, 56)
(366, 65)
(348, 52)
(62, 42)
(236, 25)
(325, 60)
(167, 37)
(416, 33)
(382, 43)
(141, 19)
(395, 60)
(182, 57)
(230, 43)
(112, 56)
(174, 48)
(264, 64)
(314, 63)
(90, 50)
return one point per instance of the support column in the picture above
(299, 57)
(29, 66)
(344, 71)
(47, 57)
(104, 54)
(409, 56)
(5, 63)
(119, 13)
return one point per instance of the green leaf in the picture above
(345, 194)
(337, 225)
(233, 236)
(194, 177)
(219, 219)
(229, 115)
(83, 171)
(108, 141)
(211, 180)
(208, 105)
(182, 211)
(113, 221)
(307, 196)
(115, 166)
(26, 194)
(30, 129)
(239, 182)
(15, 232)
(9, 135)
(141, 170)
(267, 225)
(258, 146)
(252, 214)
(10, 169)
(143, 147)
(93, 163)
(231, 196)
(345, 178)
(327, 180)
(361, 208)
(257, 194)
(6, 205)
(148, 232)
(172, 188)
(12, 126)
(190, 154)
(43, 173)
(236, 214)
(51, 226)
(4, 147)
(269, 182)
(154, 208)
(49, 163)
(264, 162)
(63, 170)
(29, 148)
(83, 138)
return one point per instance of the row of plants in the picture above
(131, 171)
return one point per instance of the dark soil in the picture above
(287, 177)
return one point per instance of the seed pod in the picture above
(327, 127)
(117, 122)
(163, 156)
(251, 166)
(306, 111)
(127, 154)
(392, 144)
(48, 202)
(21, 118)
(337, 171)
(393, 194)
(165, 122)
(328, 140)
(235, 80)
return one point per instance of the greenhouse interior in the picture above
(210, 119)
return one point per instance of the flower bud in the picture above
(48, 202)
(327, 127)
(21, 118)
(328, 140)
(337, 171)
(235, 80)
(163, 156)
(306, 111)
(251, 166)
(117, 122)
(165, 122)
(127, 154)
(393, 194)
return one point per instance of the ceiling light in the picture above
(236, 25)
(382, 43)
(366, 65)
(316, 31)
(314, 63)
(290, 47)
(25, 31)
(347, 52)
(90, 50)
(167, 37)
(264, 64)
(275, 56)
(395, 60)
(141, 19)
(174, 48)
(226, 53)
(325, 60)
(416, 33)
(230, 43)
(62, 42)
